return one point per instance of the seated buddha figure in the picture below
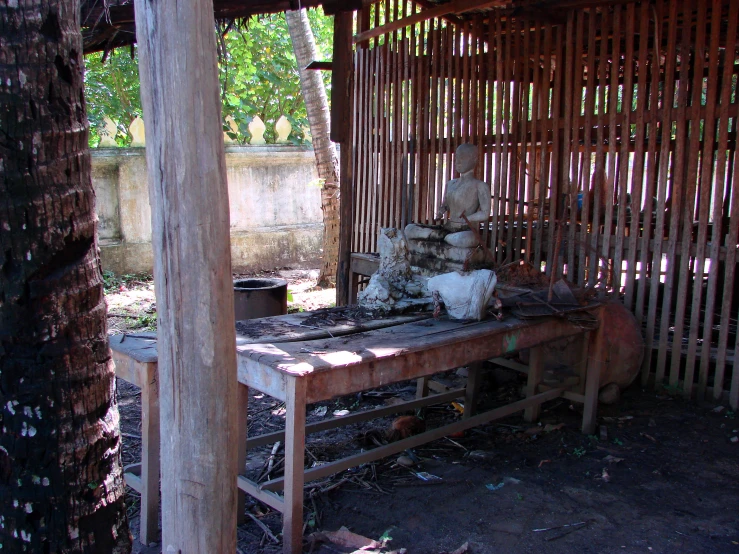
(466, 196)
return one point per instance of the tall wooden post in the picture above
(341, 120)
(192, 272)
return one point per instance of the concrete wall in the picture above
(275, 208)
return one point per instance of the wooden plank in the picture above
(414, 121)
(399, 446)
(397, 98)
(471, 389)
(733, 213)
(592, 382)
(297, 327)
(436, 56)
(611, 176)
(363, 159)
(530, 164)
(575, 184)
(192, 272)
(449, 119)
(652, 176)
(498, 211)
(405, 122)
(679, 188)
(383, 186)
(325, 425)
(514, 111)
(453, 7)
(343, 24)
(523, 109)
(637, 165)
(266, 497)
(709, 195)
(489, 102)
(543, 175)
(241, 439)
(407, 352)
(662, 195)
(439, 117)
(375, 190)
(132, 479)
(340, 81)
(585, 256)
(554, 168)
(688, 212)
(150, 460)
(559, 206)
(292, 517)
(536, 373)
(624, 157)
(131, 353)
(599, 178)
(423, 124)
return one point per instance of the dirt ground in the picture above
(661, 475)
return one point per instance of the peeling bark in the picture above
(319, 118)
(61, 483)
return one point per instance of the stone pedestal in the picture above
(433, 257)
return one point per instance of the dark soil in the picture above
(661, 476)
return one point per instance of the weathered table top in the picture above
(372, 358)
(338, 356)
(142, 346)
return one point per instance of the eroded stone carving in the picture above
(466, 295)
(393, 286)
(453, 245)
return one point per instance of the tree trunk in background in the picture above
(316, 103)
(61, 484)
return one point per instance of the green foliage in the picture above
(579, 452)
(257, 71)
(147, 321)
(112, 89)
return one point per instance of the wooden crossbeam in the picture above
(454, 7)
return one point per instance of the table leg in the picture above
(422, 387)
(470, 391)
(292, 517)
(149, 521)
(592, 381)
(536, 370)
(353, 287)
(243, 406)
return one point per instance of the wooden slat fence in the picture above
(613, 127)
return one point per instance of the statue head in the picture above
(465, 158)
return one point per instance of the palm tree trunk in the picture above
(319, 119)
(61, 484)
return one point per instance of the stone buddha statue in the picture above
(449, 245)
(465, 195)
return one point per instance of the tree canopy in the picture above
(257, 71)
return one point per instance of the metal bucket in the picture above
(259, 297)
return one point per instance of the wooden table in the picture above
(304, 365)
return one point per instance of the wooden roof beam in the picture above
(453, 7)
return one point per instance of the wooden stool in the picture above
(135, 358)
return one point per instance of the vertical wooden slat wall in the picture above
(610, 127)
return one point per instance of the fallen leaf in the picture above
(462, 549)
(650, 437)
(344, 537)
(548, 428)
